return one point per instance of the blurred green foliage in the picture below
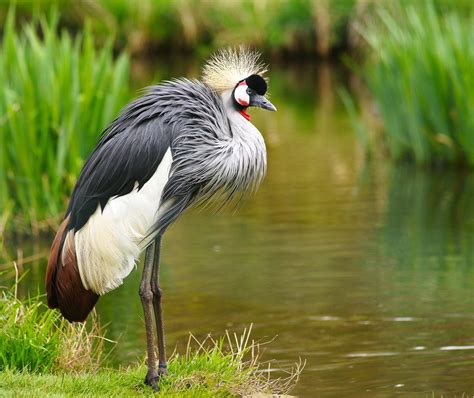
(277, 25)
(295, 26)
(420, 74)
(62, 80)
(58, 93)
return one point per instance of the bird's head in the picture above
(251, 92)
(240, 73)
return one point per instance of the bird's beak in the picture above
(261, 102)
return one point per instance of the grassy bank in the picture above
(205, 374)
(420, 75)
(41, 354)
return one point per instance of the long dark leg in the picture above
(155, 287)
(146, 296)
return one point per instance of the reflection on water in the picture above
(363, 270)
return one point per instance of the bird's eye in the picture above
(249, 91)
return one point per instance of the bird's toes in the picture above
(151, 379)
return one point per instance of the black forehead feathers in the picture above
(257, 83)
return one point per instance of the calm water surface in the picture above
(363, 270)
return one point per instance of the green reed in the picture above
(57, 94)
(420, 74)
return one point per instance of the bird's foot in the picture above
(151, 379)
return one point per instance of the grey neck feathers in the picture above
(224, 163)
(218, 156)
(239, 160)
(247, 147)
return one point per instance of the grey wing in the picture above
(126, 156)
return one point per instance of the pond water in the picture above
(364, 271)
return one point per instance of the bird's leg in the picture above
(146, 296)
(155, 287)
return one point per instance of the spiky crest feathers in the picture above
(229, 66)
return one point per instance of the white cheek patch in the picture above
(241, 96)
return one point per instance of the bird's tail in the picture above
(63, 281)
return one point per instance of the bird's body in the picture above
(184, 142)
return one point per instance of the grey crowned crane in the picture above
(185, 142)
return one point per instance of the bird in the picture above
(183, 143)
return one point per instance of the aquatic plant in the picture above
(420, 75)
(58, 93)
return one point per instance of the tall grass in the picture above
(420, 75)
(57, 94)
(27, 336)
(36, 339)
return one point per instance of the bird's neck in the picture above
(240, 122)
(242, 155)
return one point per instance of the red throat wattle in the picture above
(244, 113)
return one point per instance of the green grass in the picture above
(208, 378)
(42, 354)
(28, 340)
(420, 75)
(210, 370)
(204, 373)
(34, 339)
(57, 94)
